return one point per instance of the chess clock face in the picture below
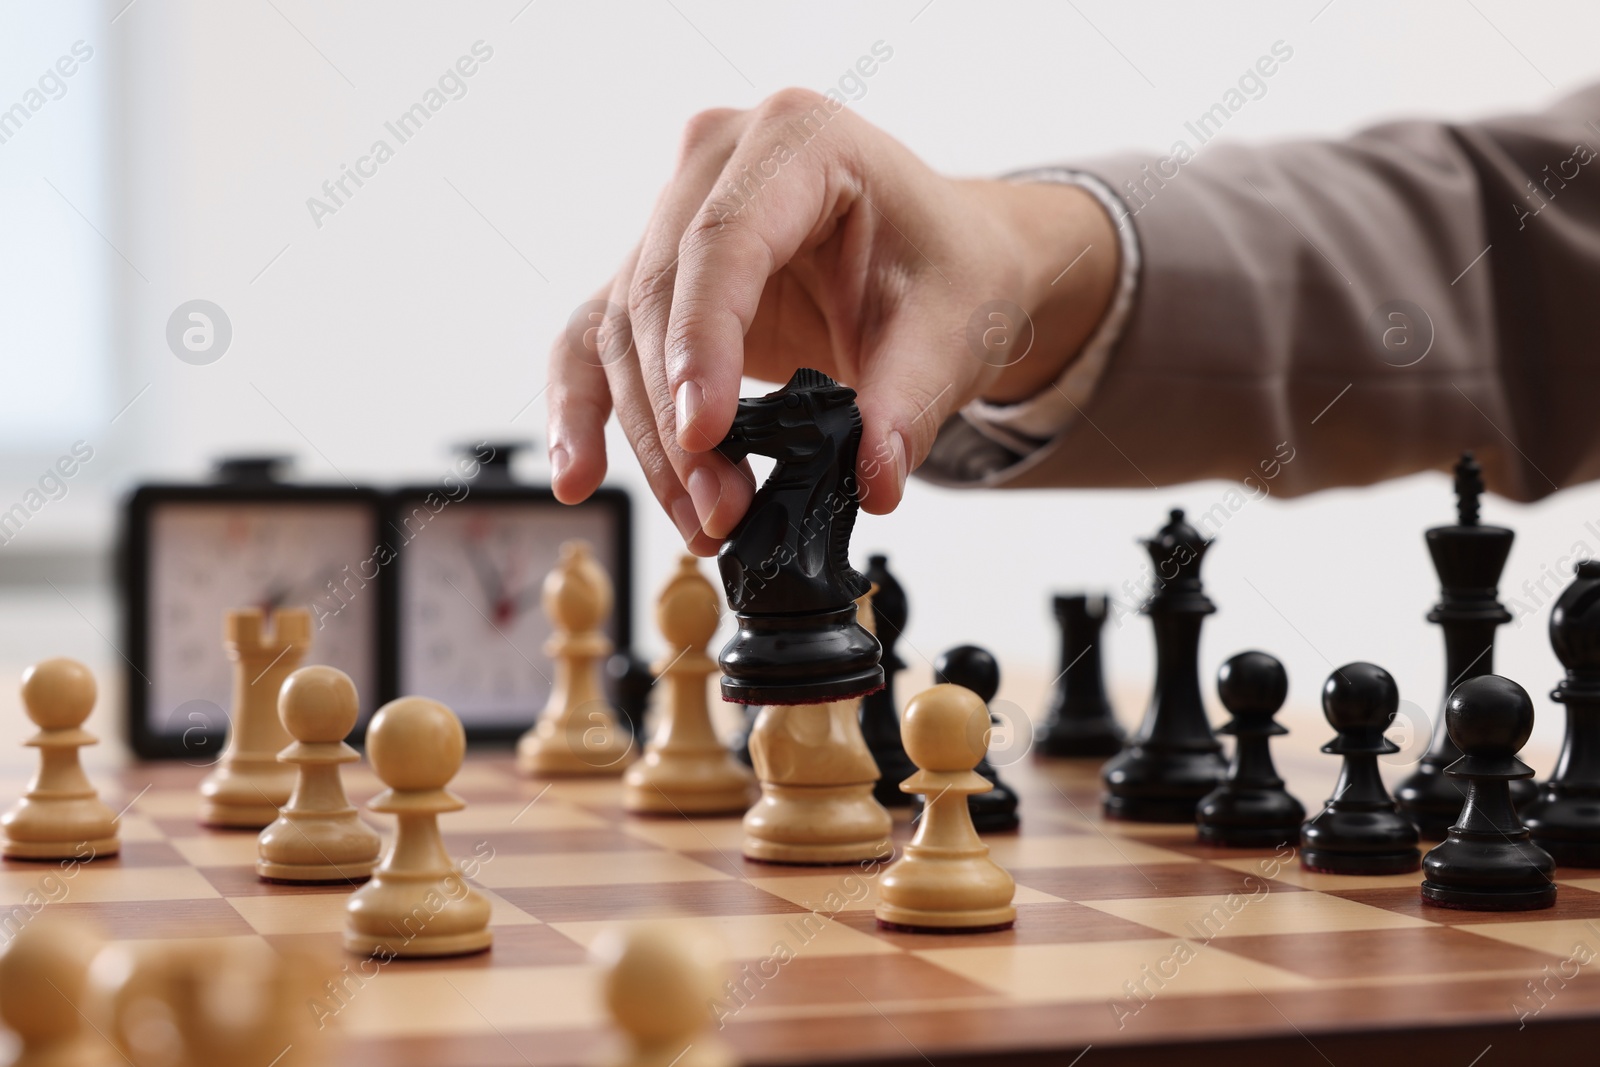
(469, 627)
(194, 553)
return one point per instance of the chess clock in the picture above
(470, 561)
(191, 552)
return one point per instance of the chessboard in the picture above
(1133, 943)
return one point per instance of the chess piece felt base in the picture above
(800, 659)
(1503, 876)
(1566, 825)
(1249, 818)
(1432, 799)
(1160, 787)
(818, 825)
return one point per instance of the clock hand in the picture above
(488, 579)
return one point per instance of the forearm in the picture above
(1262, 314)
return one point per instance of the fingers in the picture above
(774, 192)
(579, 398)
(717, 491)
(910, 385)
(638, 422)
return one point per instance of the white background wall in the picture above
(420, 314)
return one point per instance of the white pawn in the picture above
(946, 880)
(577, 733)
(318, 836)
(659, 980)
(417, 903)
(44, 979)
(61, 816)
(686, 770)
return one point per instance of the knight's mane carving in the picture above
(791, 551)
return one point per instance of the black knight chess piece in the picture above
(1361, 831)
(1489, 862)
(1079, 721)
(1564, 818)
(974, 668)
(1469, 558)
(880, 716)
(786, 566)
(1251, 809)
(1174, 760)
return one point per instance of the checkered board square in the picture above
(1134, 942)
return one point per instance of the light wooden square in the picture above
(1294, 874)
(1239, 915)
(1100, 970)
(690, 835)
(87, 884)
(1077, 850)
(1559, 937)
(638, 866)
(400, 1003)
(754, 937)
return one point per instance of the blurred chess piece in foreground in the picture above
(45, 996)
(205, 1002)
(661, 980)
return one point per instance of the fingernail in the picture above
(683, 515)
(558, 462)
(705, 489)
(897, 445)
(687, 403)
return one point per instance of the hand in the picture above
(798, 235)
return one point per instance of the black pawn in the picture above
(1079, 721)
(880, 717)
(1174, 760)
(1361, 831)
(1489, 862)
(632, 681)
(1251, 809)
(1469, 558)
(974, 668)
(1565, 819)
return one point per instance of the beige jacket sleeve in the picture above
(1371, 307)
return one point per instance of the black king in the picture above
(1469, 558)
